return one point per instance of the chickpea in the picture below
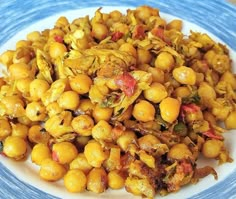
(182, 92)
(208, 116)
(39, 153)
(37, 88)
(33, 36)
(64, 152)
(121, 27)
(19, 71)
(126, 139)
(53, 109)
(23, 85)
(185, 75)
(229, 78)
(80, 83)
(230, 121)
(100, 113)
(86, 106)
(5, 129)
(69, 100)
(144, 111)
(81, 163)
(115, 180)
(75, 181)
(179, 151)
(212, 148)
(165, 61)
(102, 131)
(113, 161)
(7, 57)
(57, 50)
(83, 125)
(20, 130)
(115, 15)
(97, 180)
(149, 160)
(175, 24)
(62, 22)
(157, 74)
(56, 32)
(145, 12)
(15, 147)
(143, 56)
(169, 108)
(37, 134)
(51, 170)
(155, 93)
(25, 120)
(207, 94)
(148, 142)
(23, 43)
(100, 31)
(129, 48)
(36, 111)
(94, 153)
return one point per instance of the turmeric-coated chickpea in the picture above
(115, 15)
(57, 49)
(155, 93)
(144, 111)
(62, 22)
(7, 57)
(143, 56)
(212, 148)
(184, 75)
(36, 111)
(86, 106)
(148, 142)
(75, 181)
(37, 88)
(51, 170)
(23, 85)
(39, 153)
(15, 147)
(182, 92)
(229, 78)
(100, 113)
(126, 139)
(80, 83)
(64, 152)
(20, 130)
(115, 180)
(230, 122)
(23, 43)
(175, 24)
(94, 153)
(19, 71)
(83, 125)
(179, 151)
(100, 31)
(169, 108)
(129, 48)
(157, 74)
(69, 100)
(81, 163)
(37, 134)
(53, 109)
(102, 131)
(164, 61)
(5, 129)
(97, 180)
(33, 36)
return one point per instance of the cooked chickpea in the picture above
(5, 129)
(175, 24)
(184, 75)
(20, 130)
(144, 111)
(143, 56)
(115, 179)
(57, 49)
(15, 147)
(6, 57)
(129, 48)
(100, 31)
(23, 85)
(69, 100)
(75, 181)
(94, 153)
(33, 36)
(148, 142)
(39, 153)
(126, 139)
(100, 113)
(155, 93)
(169, 108)
(179, 151)
(164, 61)
(81, 163)
(157, 74)
(37, 134)
(86, 106)
(62, 22)
(230, 78)
(97, 180)
(36, 111)
(102, 131)
(182, 92)
(37, 88)
(64, 152)
(83, 125)
(53, 109)
(23, 43)
(212, 148)
(115, 15)
(230, 122)
(80, 83)
(51, 170)
(19, 71)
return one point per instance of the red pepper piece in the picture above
(58, 38)
(117, 35)
(211, 134)
(126, 83)
(139, 32)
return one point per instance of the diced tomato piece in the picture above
(58, 38)
(159, 32)
(211, 134)
(190, 108)
(139, 32)
(126, 83)
(187, 167)
(117, 35)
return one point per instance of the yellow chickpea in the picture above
(143, 56)
(179, 151)
(5, 129)
(165, 61)
(182, 92)
(53, 109)
(7, 57)
(83, 125)
(148, 142)
(157, 74)
(212, 148)
(51, 170)
(144, 111)
(62, 22)
(37, 134)
(39, 153)
(81, 163)
(23, 43)
(33, 36)
(36, 111)
(23, 85)
(115, 180)
(56, 32)
(64, 152)
(86, 106)
(100, 113)
(115, 15)
(126, 139)
(155, 93)
(37, 88)
(57, 49)
(175, 24)
(15, 147)
(100, 31)
(94, 153)
(19, 71)
(97, 180)
(75, 181)
(169, 108)
(20, 130)
(80, 83)
(184, 75)
(102, 131)
(230, 78)
(230, 122)
(69, 100)
(129, 48)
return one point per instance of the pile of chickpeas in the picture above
(172, 91)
